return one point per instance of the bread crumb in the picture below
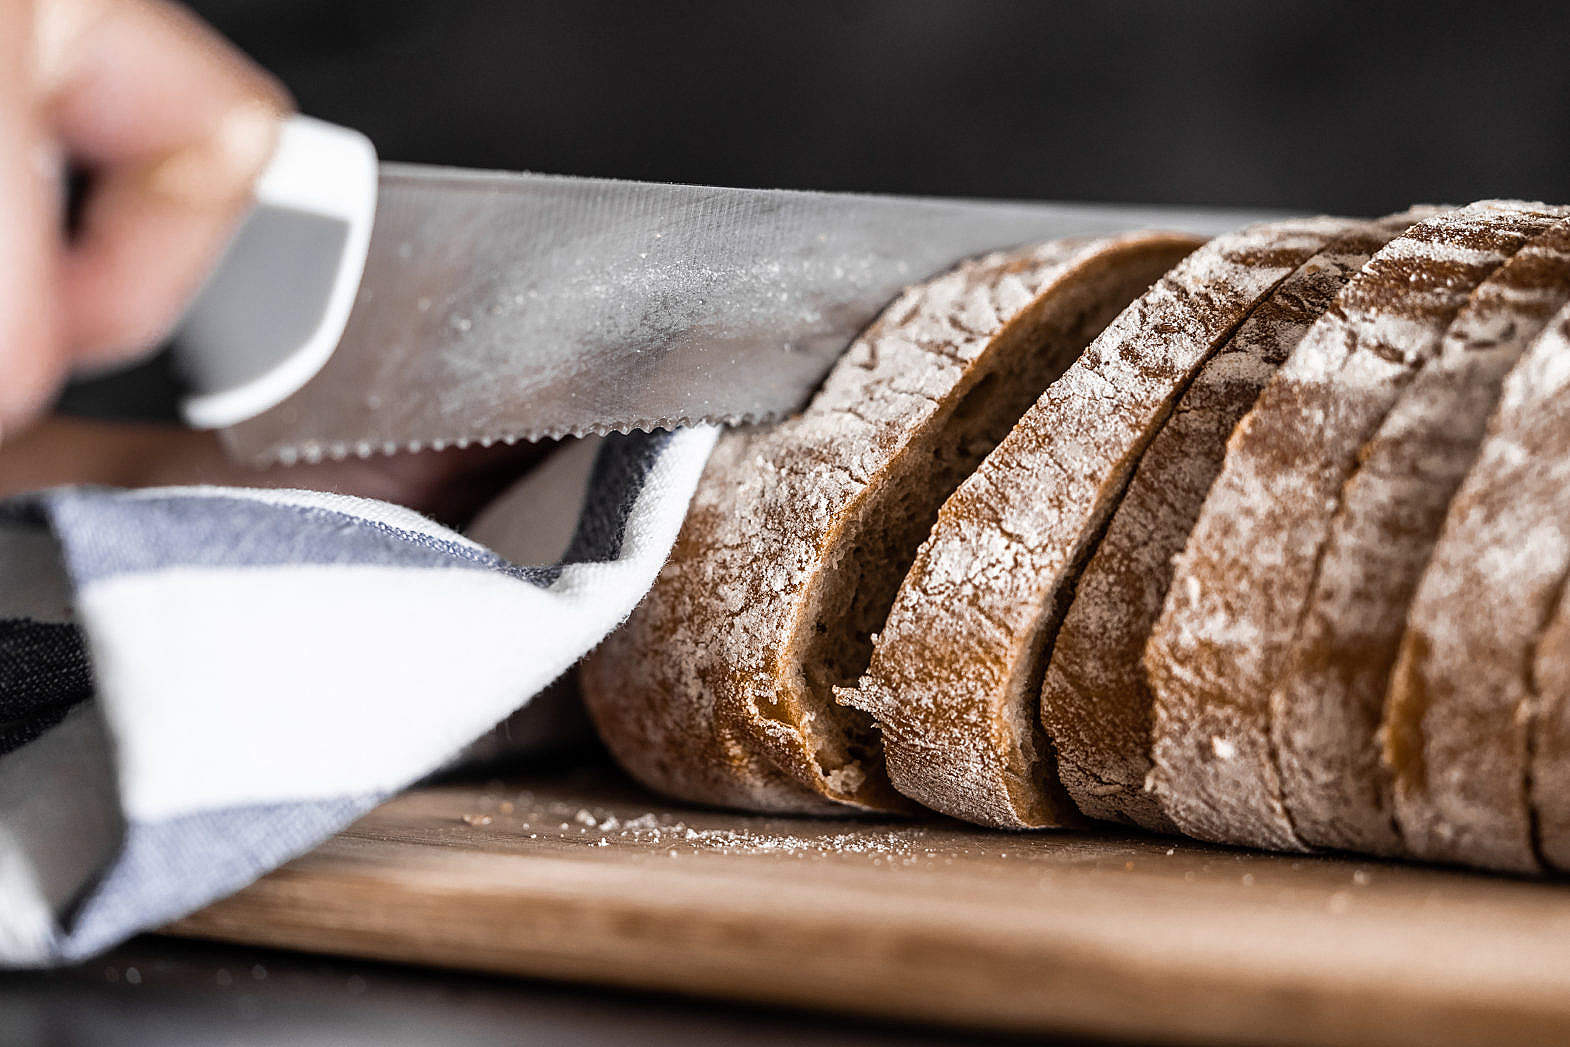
(477, 819)
(1224, 749)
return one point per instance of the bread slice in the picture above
(1548, 778)
(1095, 705)
(955, 673)
(718, 689)
(1458, 720)
(1330, 694)
(1239, 586)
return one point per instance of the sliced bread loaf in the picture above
(1095, 704)
(956, 671)
(1458, 719)
(1330, 694)
(1240, 585)
(719, 688)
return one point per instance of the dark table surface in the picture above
(161, 992)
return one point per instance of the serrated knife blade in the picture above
(499, 306)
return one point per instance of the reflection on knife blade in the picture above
(519, 306)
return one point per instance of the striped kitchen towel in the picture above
(198, 684)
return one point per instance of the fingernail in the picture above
(226, 162)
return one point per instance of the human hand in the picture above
(173, 125)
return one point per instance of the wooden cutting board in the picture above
(584, 877)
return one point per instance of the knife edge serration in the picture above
(314, 452)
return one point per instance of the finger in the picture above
(177, 125)
(30, 351)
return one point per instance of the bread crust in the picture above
(1095, 703)
(711, 691)
(1458, 723)
(1329, 700)
(1548, 782)
(1239, 586)
(955, 674)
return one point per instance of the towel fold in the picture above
(198, 684)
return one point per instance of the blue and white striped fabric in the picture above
(197, 684)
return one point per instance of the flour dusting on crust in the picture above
(1240, 585)
(1462, 700)
(956, 672)
(1327, 704)
(1095, 704)
(719, 687)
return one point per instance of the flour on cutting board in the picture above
(500, 812)
(669, 830)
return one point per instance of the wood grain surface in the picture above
(583, 877)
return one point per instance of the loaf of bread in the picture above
(956, 671)
(1095, 705)
(1265, 540)
(1241, 584)
(719, 689)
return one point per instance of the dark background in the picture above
(1357, 108)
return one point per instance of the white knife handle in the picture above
(272, 312)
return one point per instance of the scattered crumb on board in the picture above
(678, 833)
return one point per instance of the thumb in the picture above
(31, 354)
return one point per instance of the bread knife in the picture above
(367, 308)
